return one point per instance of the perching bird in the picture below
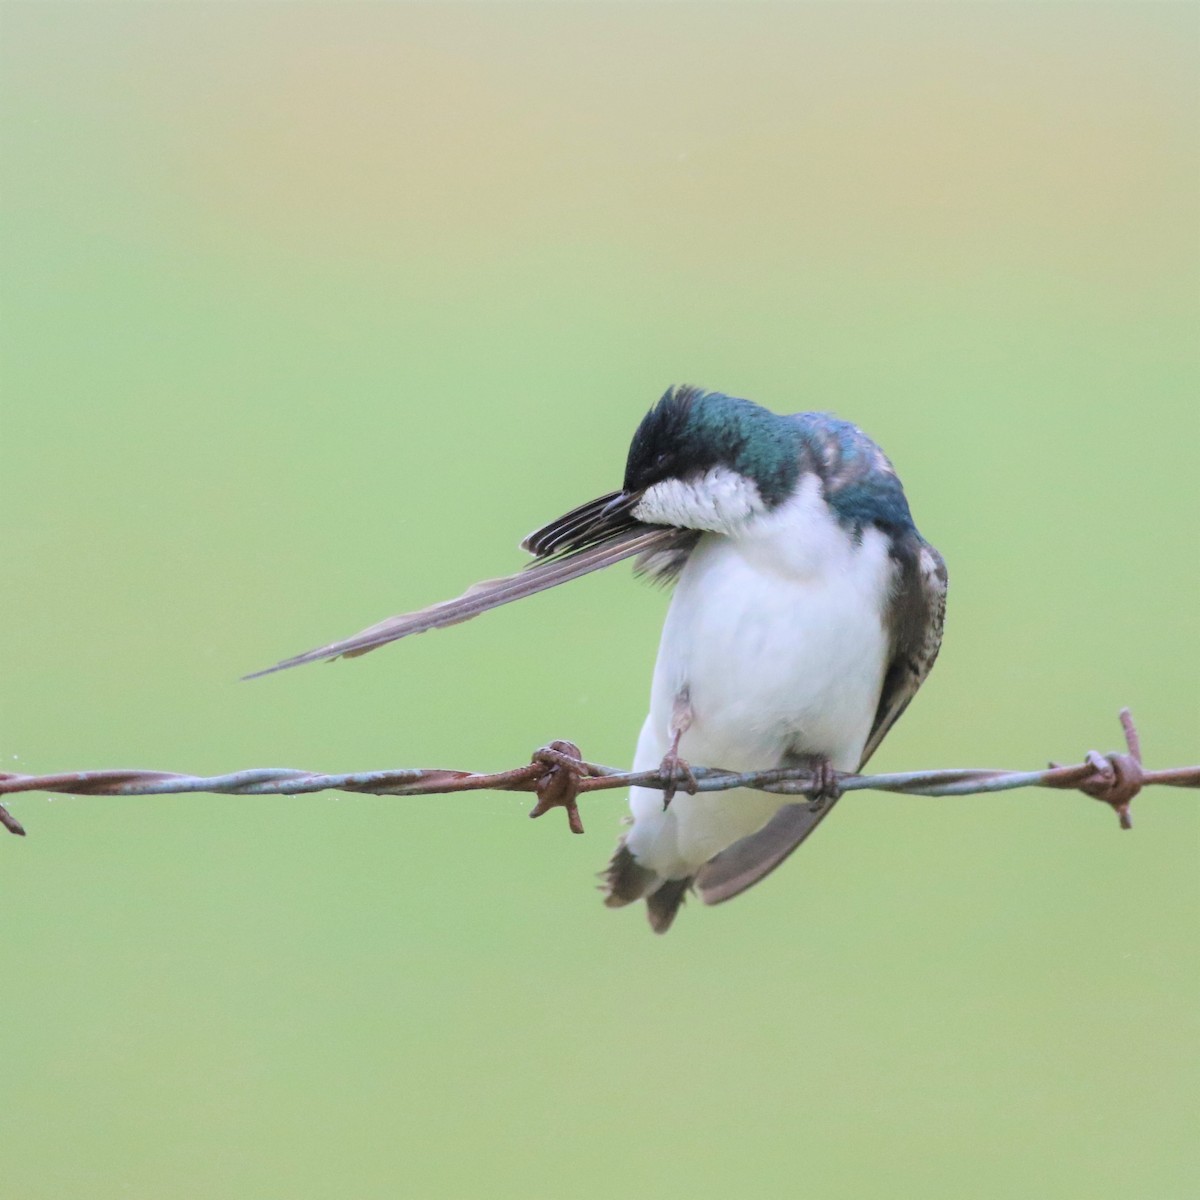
(807, 611)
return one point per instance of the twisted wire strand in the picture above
(559, 774)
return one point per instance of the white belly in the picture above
(778, 639)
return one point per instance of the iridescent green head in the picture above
(690, 432)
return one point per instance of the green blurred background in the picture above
(310, 312)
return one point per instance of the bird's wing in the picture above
(919, 608)
(584, 526)
(567, 549)
(755, 856)
(606, 517)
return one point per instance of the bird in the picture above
(806, 611)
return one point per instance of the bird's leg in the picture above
(674, 769)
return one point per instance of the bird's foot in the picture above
(676, 772)
(825, 786)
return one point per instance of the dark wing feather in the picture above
(664, 563)
(558, 533)
(603, 518)
(537, 577)
(918, 611)
(743, 864)
(597, 521)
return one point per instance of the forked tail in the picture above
(626, 880)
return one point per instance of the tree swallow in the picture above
(807, 611)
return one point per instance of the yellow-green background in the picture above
(310, 312)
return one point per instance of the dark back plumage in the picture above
(858, 479)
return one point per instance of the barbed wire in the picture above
(558, 775)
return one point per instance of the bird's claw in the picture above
(826, 788)
(676, 771)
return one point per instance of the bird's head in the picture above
(703, 460)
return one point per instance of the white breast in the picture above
(778, 636)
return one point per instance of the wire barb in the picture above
(1116, 778)
(558, 775)
(10, 822)
(558, 784)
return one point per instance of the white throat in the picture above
(720, 501)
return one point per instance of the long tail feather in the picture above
(489, 594)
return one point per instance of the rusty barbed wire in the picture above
(558, 775)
